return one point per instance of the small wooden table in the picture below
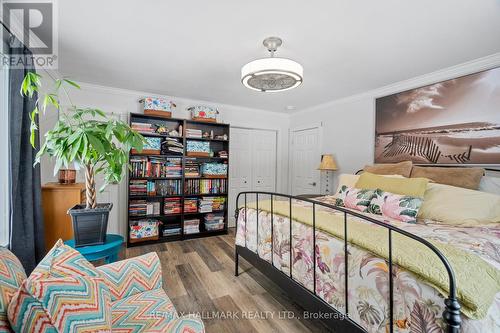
(107, 251)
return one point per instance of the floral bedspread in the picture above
(418, 307)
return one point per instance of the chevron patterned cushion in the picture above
(131, 276)
(62, 261)
(69, 304)
(26, 314)
(149, 311)
(11, 276)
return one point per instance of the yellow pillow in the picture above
(459, 206)
(414, 187)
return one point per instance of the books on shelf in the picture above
(192, 226)
(143, 127)
(210, 204)
(193, 133)
(143, 207)
(205, 186)
(191, 168)
(168, 187)
(222, 154)
(190, 205)
(177, 183)
(171, 231)
(138, 187)
(214, 221)
(143, 166)
(172, 206)
(172, 146)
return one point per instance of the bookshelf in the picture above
(178, 182)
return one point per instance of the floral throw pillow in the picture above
(354, 198)
(400, 207)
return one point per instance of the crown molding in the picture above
(466, 68)
(179, 100)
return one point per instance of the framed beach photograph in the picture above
(451, 122)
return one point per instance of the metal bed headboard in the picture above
(444, 166)
(451, 314)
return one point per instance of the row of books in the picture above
(172, 146)
(191, 168)
(190, 205)
(205, 186)
(193, 133)
(192, 226)
(171, 231)
(155, 187)
(138, 187)
(143, 207)
(142, 166)
(210, 204)
(143, 127)
(172, 206)
(214, 221)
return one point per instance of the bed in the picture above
(445, 277)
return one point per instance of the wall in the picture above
(122, 102)
(349, 124)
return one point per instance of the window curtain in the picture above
(26, 229)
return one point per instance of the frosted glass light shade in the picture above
(272, 74)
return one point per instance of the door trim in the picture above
(319, 126)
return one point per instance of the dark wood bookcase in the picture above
(177, 220)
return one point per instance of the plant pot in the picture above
(90, 225)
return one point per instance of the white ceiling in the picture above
(195, 48)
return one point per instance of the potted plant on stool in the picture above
(88, 139)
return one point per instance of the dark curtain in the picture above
(27, 237)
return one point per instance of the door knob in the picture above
(313, 184)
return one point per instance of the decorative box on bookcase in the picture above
(173, 185)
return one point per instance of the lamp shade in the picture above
(327, 163)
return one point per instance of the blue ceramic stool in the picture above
(107, 251)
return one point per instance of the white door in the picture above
(264, 160)
(240, 166)
(305, 159)
(252, 164)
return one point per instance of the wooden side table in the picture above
(107, 251)
(56, 200)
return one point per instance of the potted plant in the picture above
(88, 139)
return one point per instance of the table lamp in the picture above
(327, 164)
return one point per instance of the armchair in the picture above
(133, 298)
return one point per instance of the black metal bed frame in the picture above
(310, 301)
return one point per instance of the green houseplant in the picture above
(88, 139)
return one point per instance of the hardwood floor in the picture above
(198, 276)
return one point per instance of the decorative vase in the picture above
(67, 176)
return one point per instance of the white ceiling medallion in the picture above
(272, 74)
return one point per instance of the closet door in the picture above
(264, 160)
(252, 164)
(240, 166)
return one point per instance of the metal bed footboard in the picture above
(309, 300)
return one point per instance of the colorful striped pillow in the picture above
(11, 276)
(61, 304)
(62, 260)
